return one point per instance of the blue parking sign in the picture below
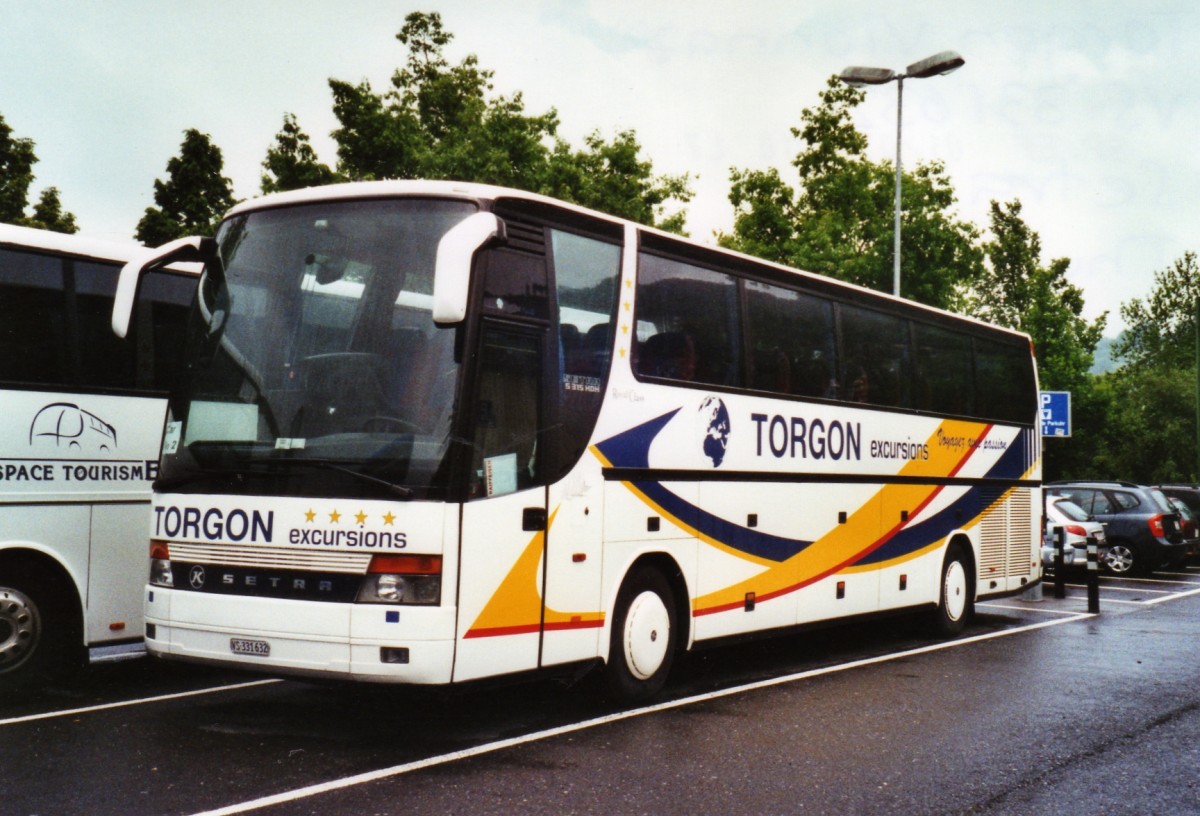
(1056, 413)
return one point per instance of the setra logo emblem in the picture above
(196, 577)
(716, 432)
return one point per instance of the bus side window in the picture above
(791, 339)
(33, 330)
(696, 312)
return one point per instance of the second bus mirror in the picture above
(452, 274)
(183, 250)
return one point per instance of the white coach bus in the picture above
(81, 417)
(434, 432)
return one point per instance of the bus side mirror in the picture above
(452, 274)
(183, 250)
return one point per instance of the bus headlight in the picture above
(160, 565)
(402, 579)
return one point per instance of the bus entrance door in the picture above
(504, 521)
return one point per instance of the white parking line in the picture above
(70, 712)
(491, 747)
(1043, 610)
(1174, 596)
(1144, 590)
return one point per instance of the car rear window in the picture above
(1162, 502)
(1071, 510)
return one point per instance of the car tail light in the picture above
(1157, 527)
(1075, 529)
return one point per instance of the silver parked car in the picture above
(1078, 527)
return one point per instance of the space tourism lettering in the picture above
(804, 438)
(49, 470)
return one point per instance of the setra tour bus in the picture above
(431, 432)
(81, 414)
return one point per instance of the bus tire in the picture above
(36, 631)
(644, 637)
(955, 601)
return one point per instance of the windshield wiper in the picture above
(397, 490)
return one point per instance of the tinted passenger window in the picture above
(792, 348)
(33, 345)
(687, 326)
(943, 382)
(56, 325)
(876, 358)
(1125, 501)
(1004, 382)
(585, 277)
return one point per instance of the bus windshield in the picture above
(313, 365)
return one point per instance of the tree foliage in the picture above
(194, 197)
(839, 221)
(444, 121)
(1150, 433)
(1018, 291)
(16, 178)
(291, 162)
(1161, 328)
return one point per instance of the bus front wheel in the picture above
(34, 636)
(644, 634)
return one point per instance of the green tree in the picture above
(49, 214)
(1162, 327)
(1018, 291)
(1152, 433)
(194, 197)
(839, 221)
(444, 121)
(291, 162)
(612, 177)
(16, 177)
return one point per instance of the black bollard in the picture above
(1060, 572)
(1093, 582)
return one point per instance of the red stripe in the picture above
(529, 628)
(858, 556)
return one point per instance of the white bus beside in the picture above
(81, 416)
(433, 432)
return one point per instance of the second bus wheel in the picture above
(956, 600)
(35, 630)
(644, 636)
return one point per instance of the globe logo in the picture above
(716, 433)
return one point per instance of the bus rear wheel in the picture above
(34, 631)
(955, 603)
(644, 635)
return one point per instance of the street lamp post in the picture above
(856, 76)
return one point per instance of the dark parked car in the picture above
(1143, 527)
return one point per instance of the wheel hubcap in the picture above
(1119, 559)
(954, 590)
(18, 628)
(647, 634)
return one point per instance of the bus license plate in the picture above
(257, 648)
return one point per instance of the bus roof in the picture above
(62, 243)
(14, 236)
(479, 192)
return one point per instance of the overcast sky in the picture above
(1085, 111)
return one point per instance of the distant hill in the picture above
(1103, 362)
